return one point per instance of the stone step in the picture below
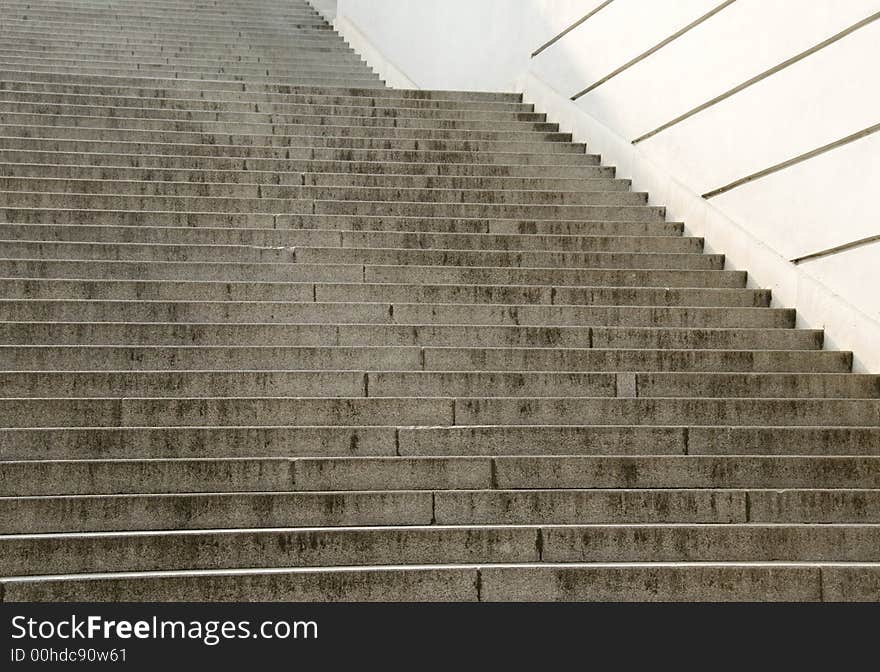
(528, 295)
(612, 582)
(340, 313)
(265, 128)
(613, 195)
(313, 76)
(204, 511)
(360, 123)
(294, 31)
(79, 250)
(231, 236)
(165, 30)
(698, 411)
(668, 384)
(271, 411)
(225, 41)
(90, 57)
(478, 337)
(154, 87)
(499, 258)
(303, 272)
(128, 100)
(145, 57)
(608, 354)
(348, 383)
(50, 143)
(416, 545)
(168, 23)
(609, 277)
(295, 28)
(374, 223)
(136, 203)
(219, 45)
(150, 9)
(551, 485)
(159, 290)
(97, 59)
(124, 98)
(225, 24)
(215, 11)
(302, 170)
(246, 144)
(433, 184)
(213, 442)
(314, 48)
(175, 357)
(374, 256)
(527, 440)
(303, 383)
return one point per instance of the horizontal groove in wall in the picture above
(655, 48)
(565, 32)
(757, 78)
(837, 249)
(858, 135)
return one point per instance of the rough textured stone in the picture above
(270, 330)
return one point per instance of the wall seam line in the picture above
(657, 47)
(565, 32)
(837, 249)
(800, 158)
(759, 77)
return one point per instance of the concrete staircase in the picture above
(273, 331)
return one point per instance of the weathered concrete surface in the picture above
(270, 330)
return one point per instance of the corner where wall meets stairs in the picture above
(270, 330)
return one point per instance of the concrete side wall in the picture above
(808, 207)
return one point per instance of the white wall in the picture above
(811, 206)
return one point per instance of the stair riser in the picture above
(296, 77)
(301, 384)
(292, 168)
(301, 29)
(256, 442)
(201, 112)
(199, 443)
(125, 102)
(231, 511)
(281, 255)
(408, 358)
(360, 223)
(299, 152)
(553, 482)
(268, 411)
(338, 71)
(466, 294)
(357, 239)
(446, 546)
(450, 336)
(660, 583)
(36, 82)
(290, 136)
(382, 313)
(302, 272)
(59, 188)
(636, 440)
(292, 549)
(265, 127)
